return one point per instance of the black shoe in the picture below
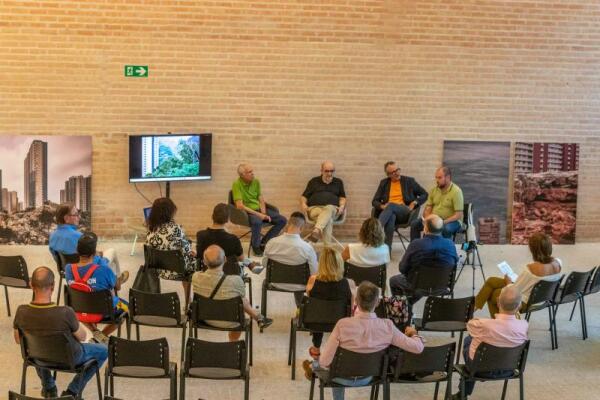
(258, 252)
(49, 393)
(69, 393)
(456, 396)
(264, 322)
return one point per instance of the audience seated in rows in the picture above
(247, 196)
(329, 284)
(204, 283)
(231, 244)
(444, 200)
(371, 251)
(364, 333)
(101, 277)
(396, 198)
(290, 249)
(324, 201)
(165, 234)
(543, 268)
(505, 330)
(64, 238)
(43, 317)
(432, 250)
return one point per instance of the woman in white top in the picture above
(544, 267)
(371, 251)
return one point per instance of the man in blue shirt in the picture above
(433, 250)
(102, 278)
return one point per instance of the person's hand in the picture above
(192, 253)
(383, 206)
(410, 331)
(340, 210)
(412, 205)
(265, 217)
(304, 208)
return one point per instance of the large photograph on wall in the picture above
(481, 170)
(545, 191)
(37, 173)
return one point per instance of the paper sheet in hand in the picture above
(507, 270)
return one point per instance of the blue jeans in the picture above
(277, 220)
(338, 392)
(389, 216)
(448, 231)
(89, 351)
(470, 385)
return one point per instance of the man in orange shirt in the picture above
(396, 197)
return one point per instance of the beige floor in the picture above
(571, 372)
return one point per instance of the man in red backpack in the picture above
(87, 276)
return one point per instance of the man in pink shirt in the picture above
(503, 331)
(364, 333)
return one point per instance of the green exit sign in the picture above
(136, 71)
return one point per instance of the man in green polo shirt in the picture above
(247, 196)
(446, 201)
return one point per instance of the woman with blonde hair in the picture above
(372, 250)
(329, 284)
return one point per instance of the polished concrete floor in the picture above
(571, 372)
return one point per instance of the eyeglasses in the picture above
(394, 171)
(75, 215)
(329, 171)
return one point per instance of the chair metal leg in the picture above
(250, 341)
(293, 352)
(250, 291)
(504, 389)
(247, 388)
(182, 343)
(551, 321)
(111, 380)
(437, 388)
(321, 391)
(312, 388)
(181, 385)
(7, 301)
(60, 279)
(448, 393)
(573, 310)
(521, 387)
(463, 395)
(106, 380)
(173, 381)
(99, 384)
(290, 342)
(263, 304)
(555, 328)
(23, 378)
(460, 342)
(583, 318)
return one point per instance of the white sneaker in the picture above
(257, 269)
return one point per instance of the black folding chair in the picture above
(283, 278)
(592, 287)
(210, 360)
(573, 290)
(61, 261)
(170, 260)
(148, 359)
(431, 281)
(155, 309)
(16, 396)
(315, 315)
(13, 273)
(433, 365)
(447, 315)
(349, 365)
(376, 275)
(53, 352)
(542, 295)
(490, 359)
(203, 309)
(100, 302)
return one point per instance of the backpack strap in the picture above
(216, 289)
(88, 274)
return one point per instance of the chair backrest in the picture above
(375, 275)
(348, 364)
(56, 349)
(319, 314)
(203, 354)
(165, 305)
(13, 271)
(283, 273)
(575, 283)
(171, 260)
(139, 353)
(543, 292)
(100, 302)
(432, 281)
(17, 396)
(205, 309)
(67, 259)
(439, 309)
(490, 358)
(594, 286)
(432, 359)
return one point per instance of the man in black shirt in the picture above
(324, 201)
(231, 245)
(42, 317)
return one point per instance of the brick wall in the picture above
(286, 84)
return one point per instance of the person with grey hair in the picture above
(247, 196)
(215, 284)
(505, 330)
(364, 333)
(433, 250)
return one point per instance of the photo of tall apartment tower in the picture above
(36, 174)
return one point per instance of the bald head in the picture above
(433, 225)
(214, 256)
(509, 300)
(327, 171)
(42, 279)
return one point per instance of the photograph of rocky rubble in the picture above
(37, 173)
(481, 170)
(545, 191)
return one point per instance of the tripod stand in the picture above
(472, 260)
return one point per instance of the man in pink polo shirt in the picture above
(503, 331)
(364, 333)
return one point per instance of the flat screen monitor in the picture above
(181, 157)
